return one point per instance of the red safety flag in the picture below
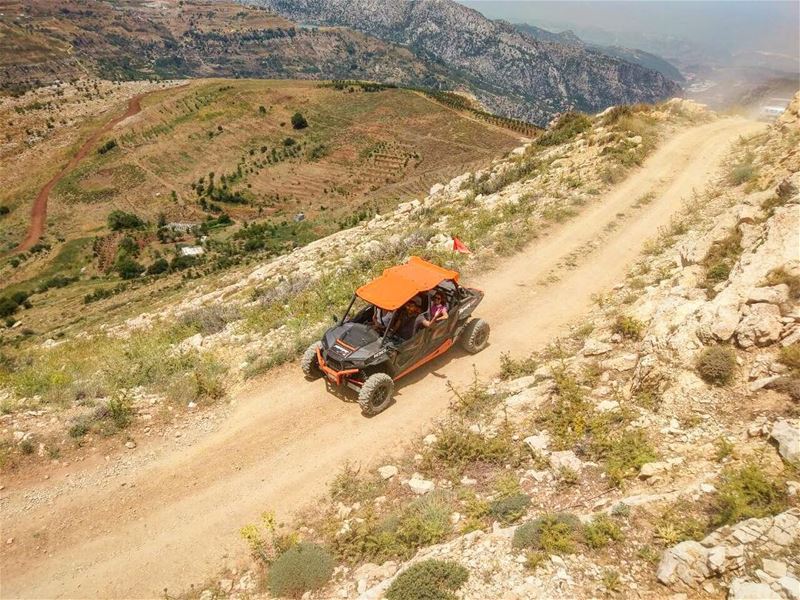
(459, 246)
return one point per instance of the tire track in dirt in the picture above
(39, 210)
(176, 521)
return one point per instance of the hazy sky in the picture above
(732, 25)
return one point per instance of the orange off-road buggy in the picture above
(367, 352)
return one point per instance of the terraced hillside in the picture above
(251, 167)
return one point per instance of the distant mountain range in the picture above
(631, 55)
(512, 72)
(528, 74)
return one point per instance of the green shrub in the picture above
(721, 258)
(7, 307)
(628, 327)
(210, 319)
(302, 568)
(677, 524)
(456, 446)
(425, 521)
(716, 365)
(745, 493)
(509, 509)
(127, 267)
(159, 266)
(602, 531)
(790, 356)
(351, 486)
(118, 220)
(428, 580)
(624, 453)
(120, 410)
(473, 401)
(568, 126)
(742, 172)
(554, 534)
(511, 368)
(299, 121)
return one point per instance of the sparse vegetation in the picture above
(628, 327)
(747, 492)
(428, 580)
(716, 365)
(553, 534)
(299, 121)
(304, 567)
(511, 368)
(567, 127)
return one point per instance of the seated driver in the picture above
(381, 319)
(405, 323)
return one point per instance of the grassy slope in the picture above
(374, 149)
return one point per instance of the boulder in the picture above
(776, 294)
(420, 486)
(787, 436)
(761, 327)
(595, 347)
(388, 471)
(741, 589)
(565, 460)
(654, 468)
(790, 587)
(538, 443)
(624, 362)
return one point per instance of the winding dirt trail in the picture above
(39, 210)
(287, 437)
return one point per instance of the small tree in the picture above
(118, 220)
(299, 121)
(128, 268)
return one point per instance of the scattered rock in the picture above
(539, 442)
(420, 486)
(742, 589)
(787, 436)
(565, 460)
(388, 471)
(595, 347)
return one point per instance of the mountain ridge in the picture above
(511, 73)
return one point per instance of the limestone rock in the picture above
(742, 589)
(761, 327)
(787, 435)
(420, 486)
(388, 471)
(565, 460)
(595, 347)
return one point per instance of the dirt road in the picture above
(39, 210)
(287, 437)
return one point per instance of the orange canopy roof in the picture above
(399, 284)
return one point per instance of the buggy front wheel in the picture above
(475, 336)
(376, 393)
(309, 362)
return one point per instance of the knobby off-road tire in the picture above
(376, 393)
(309, 362)
(475, 336)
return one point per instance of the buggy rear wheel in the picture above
(475, 336)
(309, 362)
(376, 393)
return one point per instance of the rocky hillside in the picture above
(695, 357)
(654, 450)
(512, 73)
(45, 42)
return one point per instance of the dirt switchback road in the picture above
(288, 437)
